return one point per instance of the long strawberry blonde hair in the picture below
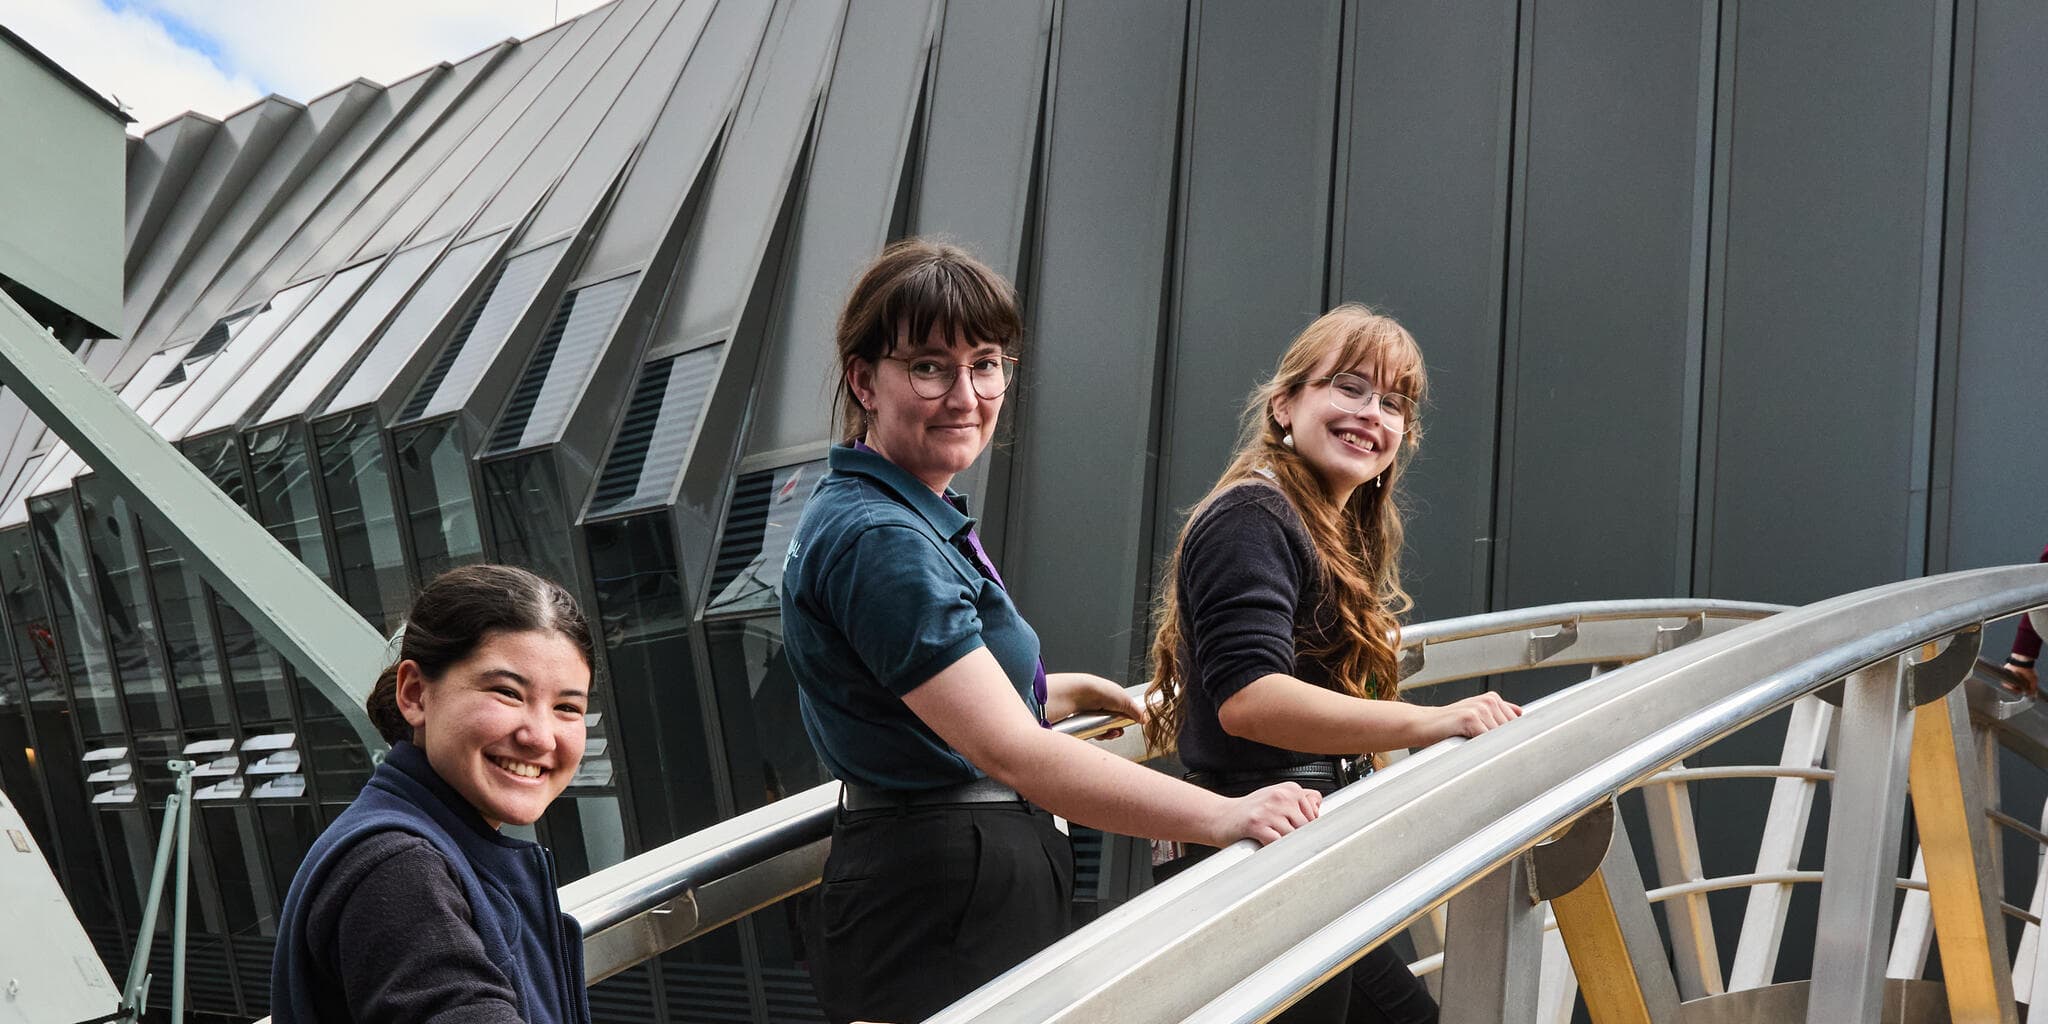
(1357, 544)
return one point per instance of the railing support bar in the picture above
(1763, 921)
(1493, 954)
(1865, 823)
(1612, 937)
(1676, 841)
(1962, 884)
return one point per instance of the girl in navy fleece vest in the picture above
(413, 906)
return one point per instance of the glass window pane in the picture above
(767, 750)
(433, 480)
(74, 611)
(281, 482)
(256, 674)
(124, 599)
(482, 334)
(653, 442)
(530, 523)
(371, 562)
(546, 392)
(341, 346)
(409, 330)
(765, 506)
(187, 620)
(642, 618)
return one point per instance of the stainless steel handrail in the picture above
(660, 899)
(1217, 944)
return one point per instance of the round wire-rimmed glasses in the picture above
(1351, 394)
(988, 375)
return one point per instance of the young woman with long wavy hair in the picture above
(1278, 624)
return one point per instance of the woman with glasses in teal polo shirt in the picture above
(921, 686)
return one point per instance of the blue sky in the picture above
(160, 58)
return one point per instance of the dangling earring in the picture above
(1376, 483)
(1287, 439)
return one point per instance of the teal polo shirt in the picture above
(878, 596)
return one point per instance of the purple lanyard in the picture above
(979, 556)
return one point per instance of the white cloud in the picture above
(128, 55)
(227, 53)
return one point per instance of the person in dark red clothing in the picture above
(2026, 647)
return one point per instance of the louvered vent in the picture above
(575, 335)
(660, 424)
(216, 337)
(425, 392)
(743, 527)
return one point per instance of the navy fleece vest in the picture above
(510, 885)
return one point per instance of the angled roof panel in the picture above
(559, 47)
(863, 135)
(324, 367)
(399, 346)
(532, 156)
(225, 369)
(264, 377)
(723, 254)
(305, 143)
(484, 332)
(604, 125)
(403, 152)
(246, 271)
(159, 169)
(979, 143)
(696, 110)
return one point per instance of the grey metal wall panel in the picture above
(382, 112)
(1599, 308)
(452, 166)
(843, 220)
(1255, 185)
(305, 142)
(1999, 508)
(1091, 360)
(225, 369)
(265, 376)
(613, 117)
(405, 153)
(536, 148)
(983, 125)
(696, 110)
(236, 152)
(1813, 420)
(721, 258)
(1423, 223)
(173, 149)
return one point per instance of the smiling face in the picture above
(503, 726)
(1345, 450)
(933, 439)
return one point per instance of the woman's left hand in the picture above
(1070, 693)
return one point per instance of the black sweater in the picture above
(1250, 593)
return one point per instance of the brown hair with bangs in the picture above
(917, 286)
(1358, 543)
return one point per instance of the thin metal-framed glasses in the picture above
(989, 376)
(1351, 394)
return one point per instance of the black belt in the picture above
(855, 797)
(1335, 773)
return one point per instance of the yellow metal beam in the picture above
(1956, 841)
(1613, 942)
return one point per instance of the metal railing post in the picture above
(1865, 822)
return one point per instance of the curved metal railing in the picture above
(655, 901)
(1240, 936)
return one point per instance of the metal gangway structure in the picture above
(1508, 860)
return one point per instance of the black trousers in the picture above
(1377, 989)
(919, 906)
